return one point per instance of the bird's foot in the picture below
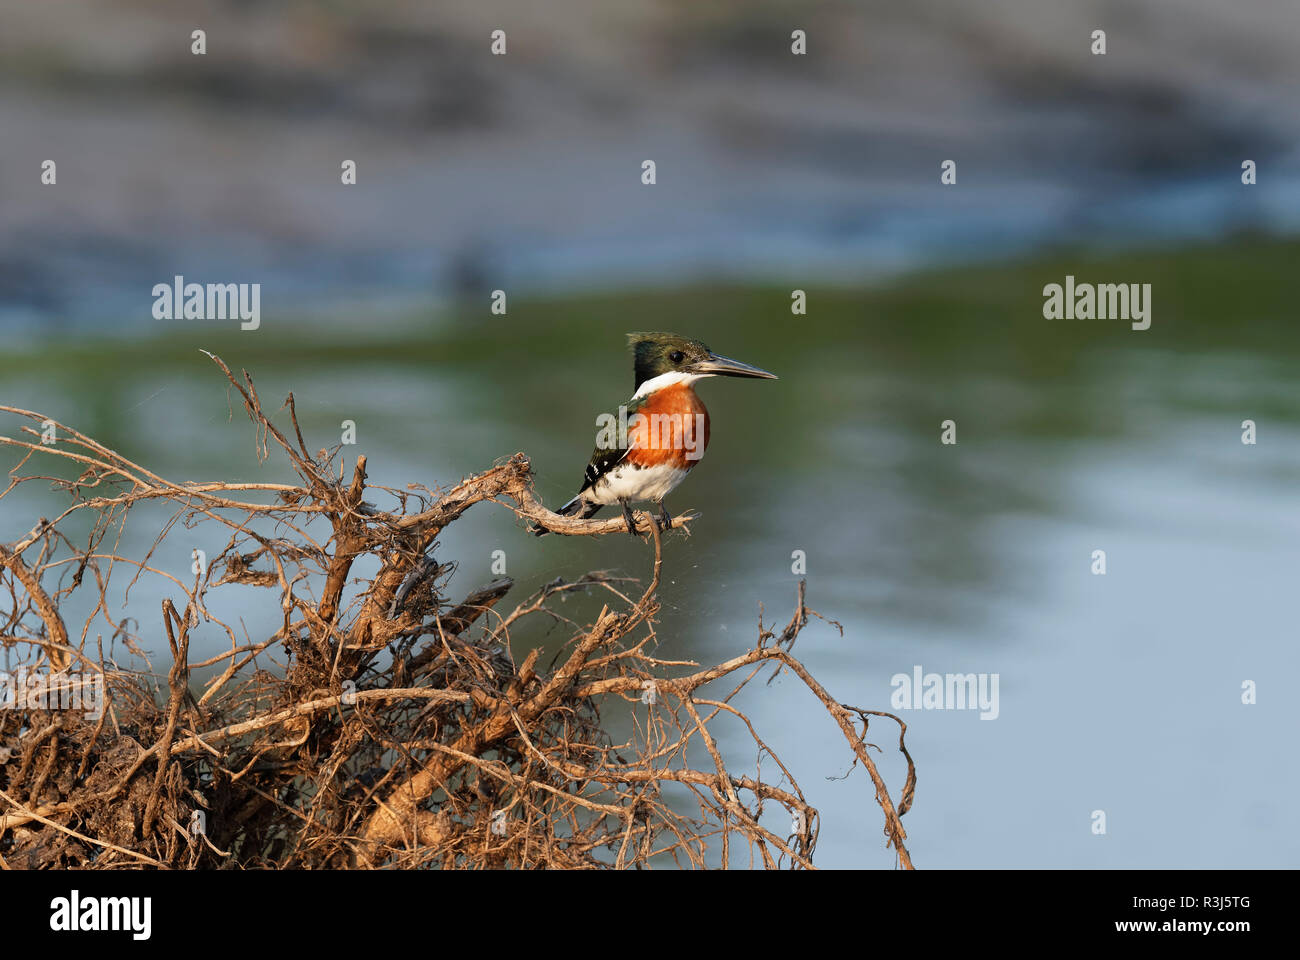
(665, 518)
(631, 520)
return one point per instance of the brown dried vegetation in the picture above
(380, 724)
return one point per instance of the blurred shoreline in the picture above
(522, 172)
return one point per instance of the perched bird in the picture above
(660, 434)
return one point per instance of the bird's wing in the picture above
(605, 459)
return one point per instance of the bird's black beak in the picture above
(726, 367)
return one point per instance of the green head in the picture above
(658, 354)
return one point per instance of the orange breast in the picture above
(671, 427)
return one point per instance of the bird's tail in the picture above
(583, 508)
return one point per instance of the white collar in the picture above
(667, 380)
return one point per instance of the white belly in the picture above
(626, 482)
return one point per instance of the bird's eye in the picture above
(676, 356)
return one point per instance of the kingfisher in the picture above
(660, 434)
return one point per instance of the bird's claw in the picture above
(631, 520)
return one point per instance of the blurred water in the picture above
(1119, 693)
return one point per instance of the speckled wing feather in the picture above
(605, 459)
